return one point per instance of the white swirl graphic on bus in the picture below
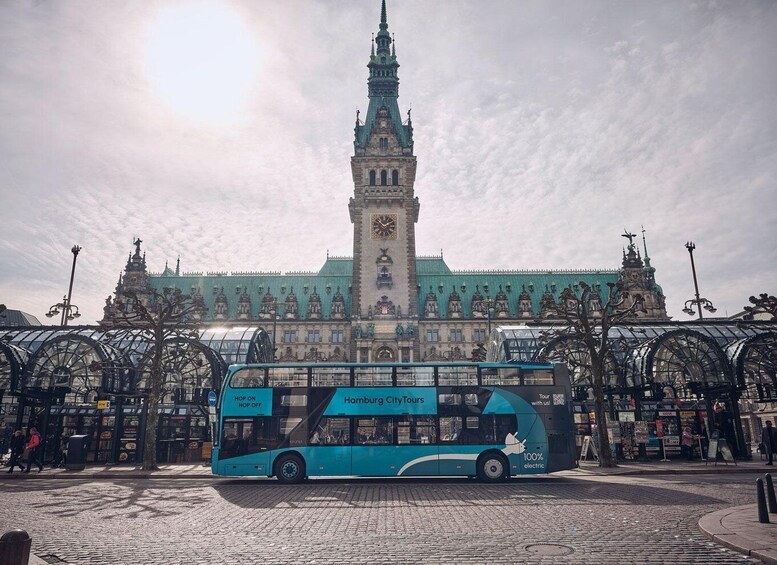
(512, 446)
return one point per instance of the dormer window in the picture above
(383, 143)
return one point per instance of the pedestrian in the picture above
(17, 448)
(686, 444)
(61, 459)
(5, 440)
(33, 449)
(769, 439)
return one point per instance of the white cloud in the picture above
(542, 130)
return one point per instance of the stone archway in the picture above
(385, 354)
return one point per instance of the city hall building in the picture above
(387, 304)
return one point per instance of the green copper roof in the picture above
(431, 266)
(336, 273)
(256, 286)
(404, 132)
(337, 266)
(511, 283)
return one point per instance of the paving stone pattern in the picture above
(598, 520)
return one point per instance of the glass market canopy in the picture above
(84, 360)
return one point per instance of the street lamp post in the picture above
(69, 310)
(698, 301)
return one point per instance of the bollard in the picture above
(763, 515)
(770, 494)
(15, 548)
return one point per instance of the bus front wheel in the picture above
(290, 469)
(492, 468)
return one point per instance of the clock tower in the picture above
(384, 210)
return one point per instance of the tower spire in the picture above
(383, 87)
(648, 266)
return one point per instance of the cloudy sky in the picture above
(222, 131)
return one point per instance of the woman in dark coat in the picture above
(17, 448)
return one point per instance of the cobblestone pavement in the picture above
(550, 520)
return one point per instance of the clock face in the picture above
(384, 226)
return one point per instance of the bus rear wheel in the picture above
(492, 468)
(290, 469)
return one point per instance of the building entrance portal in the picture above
(385, 355)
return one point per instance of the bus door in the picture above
(561, 447)
(330, 452)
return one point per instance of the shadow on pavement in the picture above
(124, 499)
(263, 493)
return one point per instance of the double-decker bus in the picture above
(487, 420)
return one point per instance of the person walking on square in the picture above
(686, 445)
(33, 447)
(769, 439)
(17, 448)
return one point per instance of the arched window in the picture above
(395, 177)
(383, 177)
(372, 178)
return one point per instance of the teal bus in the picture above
(485, 420)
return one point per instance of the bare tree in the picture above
(587, 321)
(164, 315)
(764, 305)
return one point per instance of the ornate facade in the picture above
(385, 302)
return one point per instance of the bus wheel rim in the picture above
(290, 469)
(493, 468)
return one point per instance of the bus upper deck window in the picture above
(331, 376)
(247, 378)
(372, 376)
(538, 377)
(415, 376)
(288, 377)
(509, 377)
(456, 376)
(490, 377)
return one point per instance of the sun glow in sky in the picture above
(221, 131)
(202, 60)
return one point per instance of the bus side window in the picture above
(450, 429)
(497, 427)
(331, 431)
(374, 431)
(449, 399)
(247, 378)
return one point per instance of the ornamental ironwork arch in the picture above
(685, 360)
(755, 365)
(73, 365)
(190, 370)
(575, 355)
(12, 361)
